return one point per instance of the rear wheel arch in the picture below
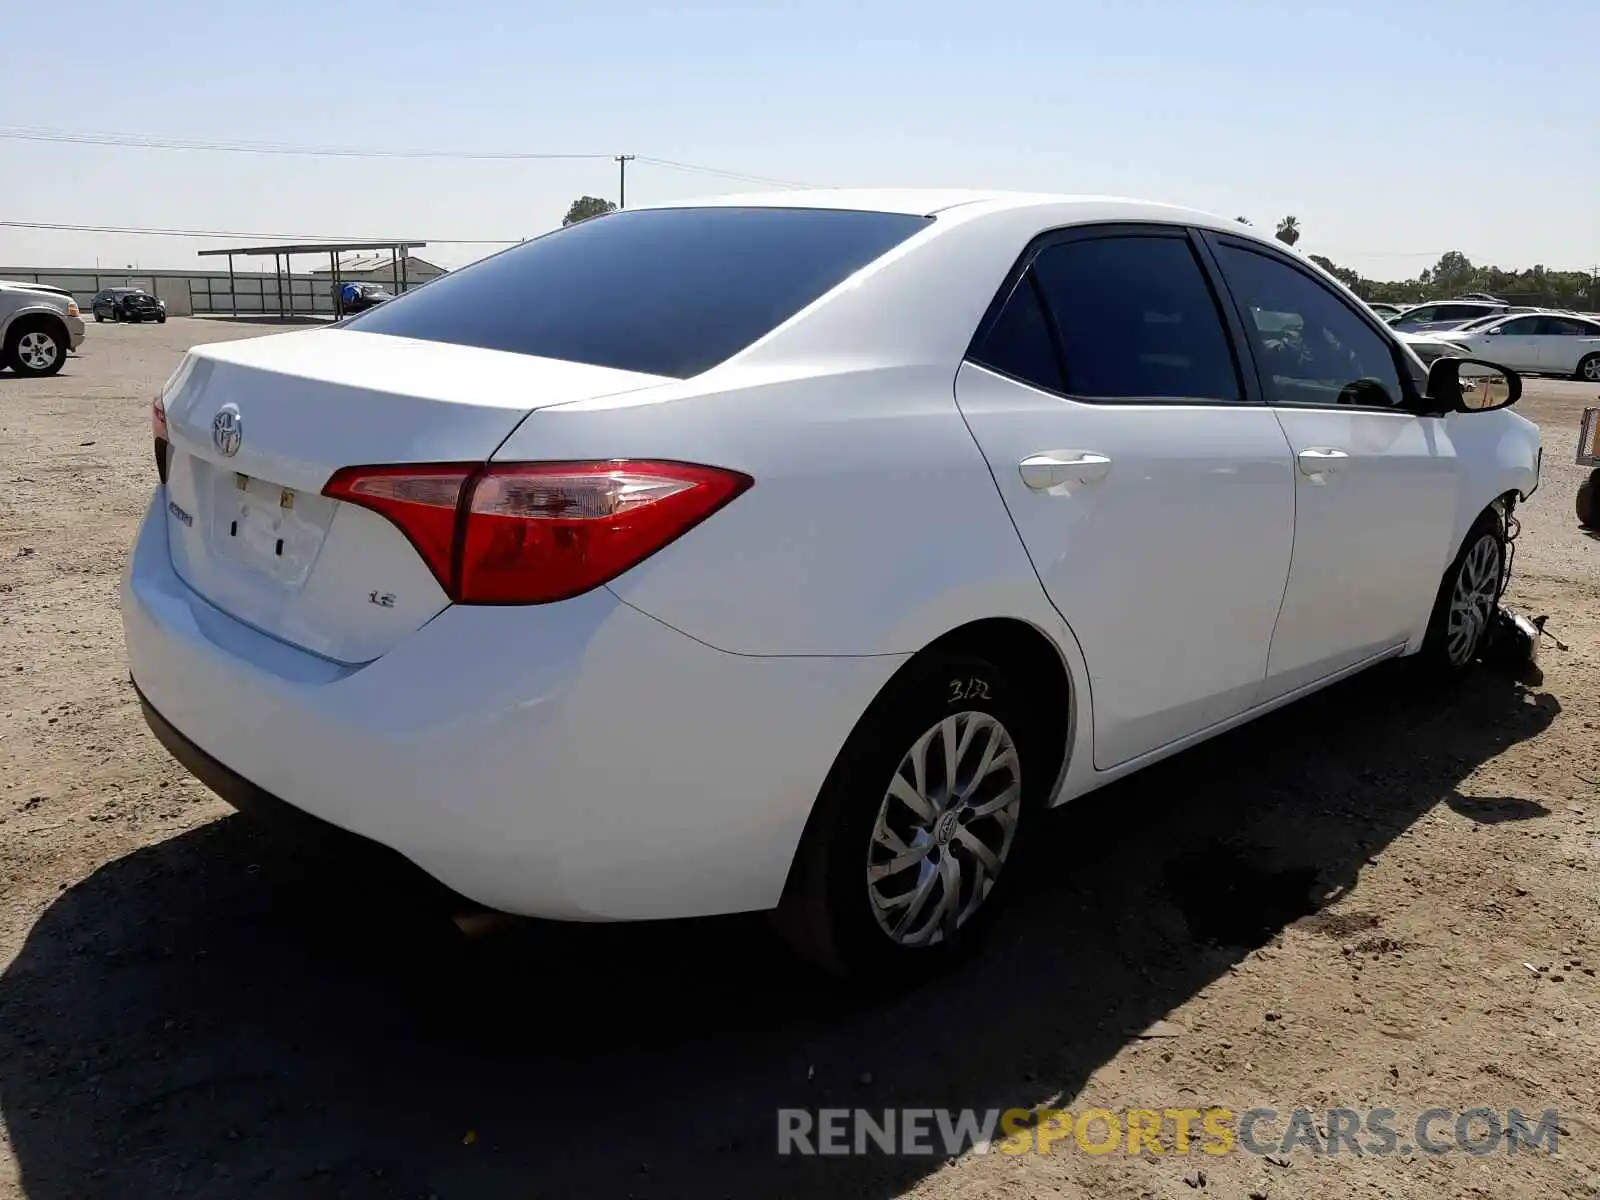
(1032, 676)
(1036, 665)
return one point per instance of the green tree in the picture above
(585, 207)
(1289, 230)
(1454, 272)
(1351, 279)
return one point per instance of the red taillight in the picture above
(158, 428)
(422, 501)
(530, 533)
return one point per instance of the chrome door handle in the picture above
(1322, 460)
(1041, 472)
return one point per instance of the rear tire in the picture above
(1588, 505)
(1589, 369)
(901, 869)
(1468, 596)
(36, 346)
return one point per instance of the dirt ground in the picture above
(1380, 897)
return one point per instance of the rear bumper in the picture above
(267, 809)
(576, 761)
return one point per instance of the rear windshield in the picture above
(670, 291)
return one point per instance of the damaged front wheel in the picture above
(1468, 597)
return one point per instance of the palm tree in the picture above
(1289, 230)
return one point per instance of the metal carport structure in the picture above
(398, 252)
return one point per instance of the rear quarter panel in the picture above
(873, 526)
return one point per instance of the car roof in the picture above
(931, 201)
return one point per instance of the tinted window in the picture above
(1425, 313)
(1018, 343)
(664, 291)
(1330, 355)
(1462, 312)
(1136, 320)
(1566, 327)
(1521, 327)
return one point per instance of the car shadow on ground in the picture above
(216, 1016)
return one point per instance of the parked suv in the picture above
(127, 304)
(1446, 313)
(37, 328)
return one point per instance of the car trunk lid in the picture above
(258, 426)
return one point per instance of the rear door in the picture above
(1564, 342)
(1375, 483)
(1154, 495)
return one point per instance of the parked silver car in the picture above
(38, 326)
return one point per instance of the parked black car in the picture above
(128, 304)
(350, 298)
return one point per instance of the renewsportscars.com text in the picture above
(1372, 1132)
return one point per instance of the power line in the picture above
(1387, 253)
(675, 165)
(143, 141)
(139, 141)
(236, 233)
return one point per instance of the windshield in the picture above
(671, 291)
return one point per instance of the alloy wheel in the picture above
(37, 350)
(1591, 369)
(1472, 601)
(944, 829)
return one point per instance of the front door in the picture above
(1375, 485)
(1155, 500)
(1515, 343)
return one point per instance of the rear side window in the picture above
(1019, 342)
(664, 291)
(1136, 320)
(1566, 327)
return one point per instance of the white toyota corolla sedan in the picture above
(792, 552)
(1551, 343)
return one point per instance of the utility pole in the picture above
(622, 178)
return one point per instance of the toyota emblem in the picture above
(227, 430)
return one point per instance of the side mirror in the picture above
(1495, 332)
(1471, 385)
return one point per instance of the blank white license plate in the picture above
(272, 530)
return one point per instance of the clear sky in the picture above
(1393, 131)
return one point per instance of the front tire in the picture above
(1468, 597)
(1589, 369)
(36, 346)
(914, 838)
